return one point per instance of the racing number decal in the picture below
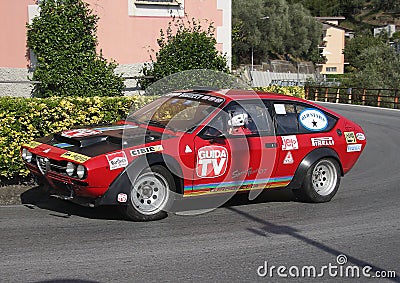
(212, 161)
(80, 158)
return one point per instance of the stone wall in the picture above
(15, 82)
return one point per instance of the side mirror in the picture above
(213, 135)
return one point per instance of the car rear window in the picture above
(299, 118)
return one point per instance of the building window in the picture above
(156, 8)
(331, 69)
(157, 2)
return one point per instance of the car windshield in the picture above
(178, 112)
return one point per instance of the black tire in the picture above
(321, 181)
(151, 195)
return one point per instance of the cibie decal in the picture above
(350, 137)
(212, 161)
(288, 159)
(354, 147)
(80, 158)
(313, 119)
(360, 136)
(117, 160)
(322, 141)
(122, 197)
(79, 133)
(145, 150)
(289, 143)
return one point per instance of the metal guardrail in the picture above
(387, 98)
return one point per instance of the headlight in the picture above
(80, 171)
(28, 156)
(23, 154)
(70, 169)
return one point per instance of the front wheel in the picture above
(321, 181)
(151, 195)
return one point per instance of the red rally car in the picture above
(199, 143)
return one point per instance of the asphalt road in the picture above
(50, 240)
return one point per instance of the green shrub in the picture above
(185, 45)
(64, 40)
(23, 119)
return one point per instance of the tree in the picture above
(185, 45)
(273, 29)
(378, 67)
(356, 45)
(64, 40)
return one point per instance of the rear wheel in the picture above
(321, 181)
(151, 195)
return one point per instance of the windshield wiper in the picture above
(159, 124)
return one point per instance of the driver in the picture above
(238, 122)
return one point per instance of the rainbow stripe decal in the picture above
(229, 187)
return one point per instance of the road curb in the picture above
(11, 194)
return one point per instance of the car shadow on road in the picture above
(37, 197)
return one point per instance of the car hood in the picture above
(100, 140)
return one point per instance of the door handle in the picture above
(271, 145)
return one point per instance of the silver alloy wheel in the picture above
(150, 193)
(324, 177)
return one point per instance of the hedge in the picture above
(23, 119)
(296, 91)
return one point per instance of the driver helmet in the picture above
(239, 117)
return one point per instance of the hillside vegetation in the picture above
(360, 14)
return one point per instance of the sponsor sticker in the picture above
(80, 158)
(289, 143)
(280, 109)
(313, 119)
(122, 197)
(288, 159)
(145, 150)
(322, 141)
(198, 96)
(32, 144)
(47, 150)
(354, 147)
(360, 136)
(117, 160)
(63, 145)
(188, 149)
(212, 161)
(79, 133)
(350, 137)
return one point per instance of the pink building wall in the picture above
(13, 19)
(122, 37)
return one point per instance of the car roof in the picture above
(240, 94)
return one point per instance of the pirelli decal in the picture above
(32, 144)
(80, 158)
(145, 150)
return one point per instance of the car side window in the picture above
(247, 118)
(296, 118)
